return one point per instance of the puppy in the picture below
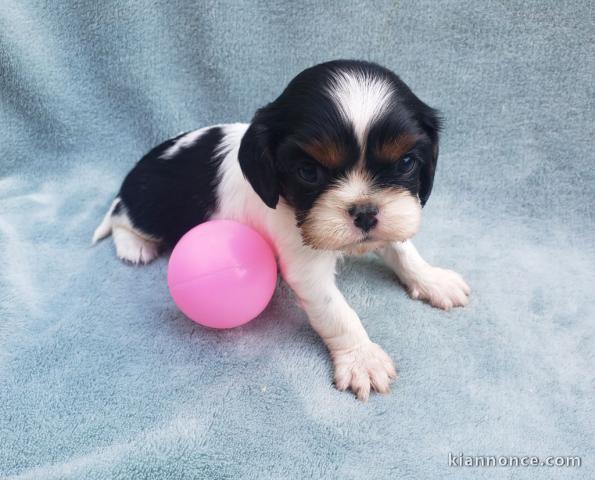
(342, 162)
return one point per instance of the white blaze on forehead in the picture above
(361, 98)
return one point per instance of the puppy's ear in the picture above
(257, 162)
(431, 122)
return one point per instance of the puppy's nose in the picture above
(364, 216)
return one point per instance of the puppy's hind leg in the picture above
(132, 247)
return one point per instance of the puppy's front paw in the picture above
(364, 368)
(440, 288)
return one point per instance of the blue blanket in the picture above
(101, 377)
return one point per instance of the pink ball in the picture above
(222, 274)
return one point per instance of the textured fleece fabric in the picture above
(101, 376)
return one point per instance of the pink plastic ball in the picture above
(222, 274)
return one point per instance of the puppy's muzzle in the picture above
(364, 216)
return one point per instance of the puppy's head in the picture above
(351, 149)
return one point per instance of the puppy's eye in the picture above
(406, 164)
(309, 173)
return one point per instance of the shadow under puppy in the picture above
(341, 163)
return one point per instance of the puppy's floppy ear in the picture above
(431, 122)
(257, 162)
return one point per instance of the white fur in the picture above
(361, 99)
(439, 287)
(133, 248)
(185, 141)
(132, 245)
(105, 227)
(329, 225)
(362, 369)
(360, 364)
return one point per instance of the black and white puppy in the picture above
(342, 162)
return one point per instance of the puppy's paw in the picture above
(365, 368)
(441, 288)
(133, 248)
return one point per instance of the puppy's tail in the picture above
(105, 227)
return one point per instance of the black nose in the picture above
(364, 216)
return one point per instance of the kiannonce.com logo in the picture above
(462, 460)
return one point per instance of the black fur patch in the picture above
(166, 197)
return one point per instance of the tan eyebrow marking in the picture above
(393, 150)
(327, 153)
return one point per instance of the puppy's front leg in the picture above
(440, 288)
(359, 363)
